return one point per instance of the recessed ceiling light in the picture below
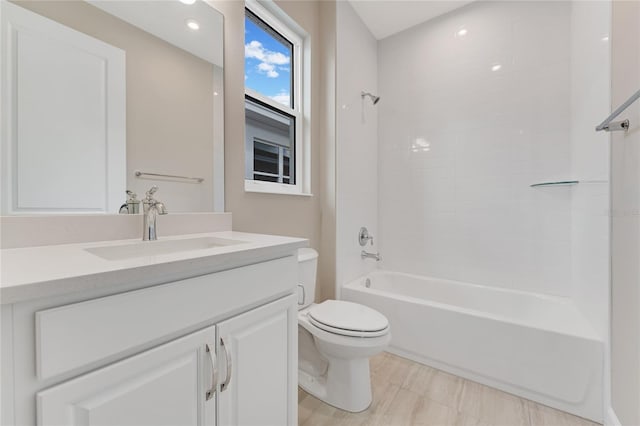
(187, 1)
(462, 32)
(193, 24)
(496, 67)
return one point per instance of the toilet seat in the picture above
(348, 319)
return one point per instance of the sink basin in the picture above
(154, 248)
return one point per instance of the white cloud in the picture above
(277, 58)
(283, 98)
(254, 49)
(269, 59)
(268, 69)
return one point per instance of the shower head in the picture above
(375, 99)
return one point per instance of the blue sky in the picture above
(267, 64)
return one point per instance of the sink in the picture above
(154, 248)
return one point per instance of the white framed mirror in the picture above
(99, 97)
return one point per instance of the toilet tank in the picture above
(307, 268)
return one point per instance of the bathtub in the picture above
(534, 346)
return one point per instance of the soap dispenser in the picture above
(132, 206)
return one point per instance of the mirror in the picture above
(101, 96)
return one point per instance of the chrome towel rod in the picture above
(138, 173)
(608, 126)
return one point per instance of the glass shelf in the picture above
(557, 183)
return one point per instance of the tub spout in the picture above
(367, 255)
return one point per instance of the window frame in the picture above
(272, 16)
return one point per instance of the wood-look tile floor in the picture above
(407, 393)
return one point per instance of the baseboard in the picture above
(610, 418)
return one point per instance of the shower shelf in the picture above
(557, 183)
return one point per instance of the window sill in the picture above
(273, 188)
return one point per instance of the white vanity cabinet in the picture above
(214, 349)
(179, 383)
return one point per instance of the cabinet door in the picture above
(166, 385)
(258, 353)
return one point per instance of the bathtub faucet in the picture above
(367, 255)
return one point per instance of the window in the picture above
(276, 140)
(271, 162)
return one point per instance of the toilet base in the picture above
(335, 368)
(346, 384)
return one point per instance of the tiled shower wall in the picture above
(590, 154)
(476, 106)
(356, 143)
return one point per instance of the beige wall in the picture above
(327, 266)
(625, 249)
(290, 215)
(169, 104)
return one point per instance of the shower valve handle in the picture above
(364, 236)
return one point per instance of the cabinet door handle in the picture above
(227, 355)
(214, 373)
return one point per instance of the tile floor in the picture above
(408, 393)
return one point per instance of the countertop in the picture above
(48, 271)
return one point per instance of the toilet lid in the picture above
(347, 318)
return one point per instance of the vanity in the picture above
(192, 329)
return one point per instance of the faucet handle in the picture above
(364, 236)
(133, 197)
(152, 191)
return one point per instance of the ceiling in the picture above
(387, 17)
(168, 21)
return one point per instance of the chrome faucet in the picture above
(151, 208)
(367, 255)
(363, 237)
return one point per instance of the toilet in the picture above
(335, 341)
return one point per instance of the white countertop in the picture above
(48, 271)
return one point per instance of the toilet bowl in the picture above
(335, 341)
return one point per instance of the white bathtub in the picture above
(538, 347)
